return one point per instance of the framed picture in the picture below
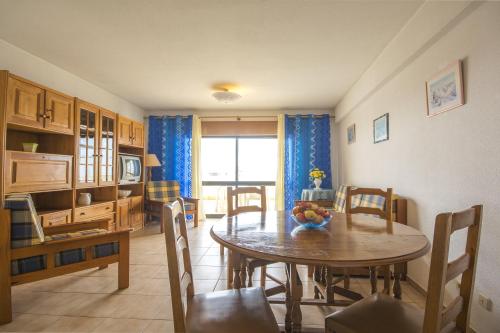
(351, 134)
(445, 90)
(381, 128)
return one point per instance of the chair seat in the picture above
(238, 310)
(377, 313)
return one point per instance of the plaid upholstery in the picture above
(166, 191)
(340, 197)
(26, 229)
(104, 250)
(69, 257)
(373, 201)
(163, 190)
(27, 265)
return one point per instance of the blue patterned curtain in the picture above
(170, 139)
(307, 146)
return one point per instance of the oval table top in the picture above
(346, 241)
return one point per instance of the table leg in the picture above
(398, 273)
(296, 286)
(329, 285)
(288, 301)
(229, 269)
(237, 270)
(373, 279)
(243, 272)
(387, 279)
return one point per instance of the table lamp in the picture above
(151, 162)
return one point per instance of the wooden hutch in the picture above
(78, 147)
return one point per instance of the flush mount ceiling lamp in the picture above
(225, 96)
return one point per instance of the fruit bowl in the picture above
(311, 225)
(310, 215)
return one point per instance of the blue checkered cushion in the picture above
(104, 250)
(28, 265)
(340, 197)
(163, 190)
(68, 257)
(26, 229)
(373, 201)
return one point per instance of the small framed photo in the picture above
(351, 134)
(445, 90)
(381, 128)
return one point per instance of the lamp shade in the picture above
(152, 161)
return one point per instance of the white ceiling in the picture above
(163, 54)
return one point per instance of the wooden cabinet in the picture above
(32, 172)
(87, 146)
(107, 148)
(123, 214)
(129, 213)
(51, 219)
(25, 103)
(138, 134)
(94, 211)
(30, 105)
(124, 131)
(59, 111)
(130, 133)
(136, 212)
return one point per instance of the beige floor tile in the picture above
(122, 325)
(212, 260)
(147, 286)
(74, 324)
(156, 326)
(28, 323)
(207, 272)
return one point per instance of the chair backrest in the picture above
(374, 201)
(163, 190)
(179, 263)
(232, 200)
(457, 312)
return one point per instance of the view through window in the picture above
(239, 162)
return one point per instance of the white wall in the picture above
(443, 163)
(24, 64)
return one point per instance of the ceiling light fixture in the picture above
(225, 96)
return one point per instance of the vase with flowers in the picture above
(317, 176)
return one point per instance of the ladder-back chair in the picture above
(377, 312)
(243, 310)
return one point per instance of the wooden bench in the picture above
(50, 249)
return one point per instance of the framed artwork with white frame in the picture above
(381, 128)
(445, 89)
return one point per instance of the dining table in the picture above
(355, 240)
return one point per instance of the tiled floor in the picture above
(88, 301)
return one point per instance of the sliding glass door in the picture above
(239, 162)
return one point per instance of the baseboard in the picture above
(416, 286)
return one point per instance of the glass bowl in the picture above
(311, 225)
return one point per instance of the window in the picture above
(237, 161)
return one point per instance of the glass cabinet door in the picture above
(87, 146)
(107, 148)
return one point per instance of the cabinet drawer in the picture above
(89, 212)
(32, 172)
(56, 218)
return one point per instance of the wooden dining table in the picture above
(346, 241)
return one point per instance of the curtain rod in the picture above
(241, 117)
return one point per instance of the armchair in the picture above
(161, 192)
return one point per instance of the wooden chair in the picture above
(161, 192)
(234, 209)
(371, 201)
(242, 310)
(382, 313)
